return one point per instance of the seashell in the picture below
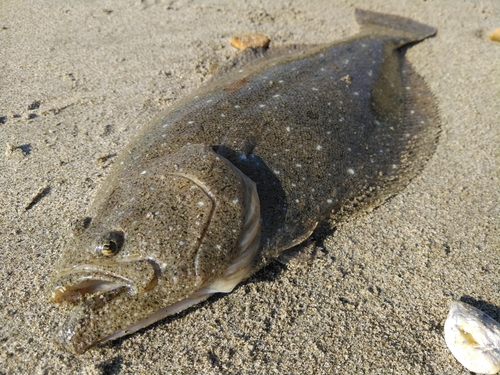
(495, 35)
(243, 42)
(474, 338)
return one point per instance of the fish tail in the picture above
(405, 30)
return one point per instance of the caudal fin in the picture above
(405, 29)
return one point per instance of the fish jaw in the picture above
(137, 276)
(106, 317)
(93, 287)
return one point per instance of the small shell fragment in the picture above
(474, 338)
(495, 35)
(243, 42)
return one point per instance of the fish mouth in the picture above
(136, 276)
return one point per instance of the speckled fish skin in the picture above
(223, 182)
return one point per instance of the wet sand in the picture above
(78, 81)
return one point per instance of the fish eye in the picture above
(110, 244)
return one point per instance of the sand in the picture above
(79, 79)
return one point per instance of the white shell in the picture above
(474, 338)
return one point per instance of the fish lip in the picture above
(73, 282)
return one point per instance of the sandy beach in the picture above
(80, 79)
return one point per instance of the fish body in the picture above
(227, 179)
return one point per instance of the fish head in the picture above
(166, 233)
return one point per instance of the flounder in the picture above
(247, 167)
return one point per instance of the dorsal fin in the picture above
(252, 56)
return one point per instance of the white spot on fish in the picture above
(329, 201)
(314, 89)
(201, 203)
(235, 201)
(144, 172)
(298, 165)
(350, 171)
(262, 105)
(222, 115)
(287, 128)
(319, 147)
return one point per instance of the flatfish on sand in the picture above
(228, 178)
